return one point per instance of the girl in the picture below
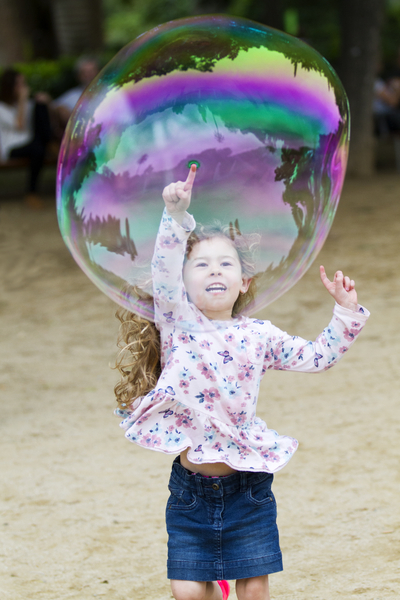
(221, 514)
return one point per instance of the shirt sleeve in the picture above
(285, 352)
(69, 98)
(167, 264)
(7, 118)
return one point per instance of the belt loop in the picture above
(243, 481)
(199, 484)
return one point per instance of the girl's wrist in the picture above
(349, 305)
(178, 216)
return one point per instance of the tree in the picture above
(46, 28)
(14, 31)
(77, 28)
(78, 25)
(361, 22)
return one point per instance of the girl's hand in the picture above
(341, 288)
(177, 195)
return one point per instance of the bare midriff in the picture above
(219, 469)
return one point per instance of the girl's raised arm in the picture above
(177, 196)
(176, 224)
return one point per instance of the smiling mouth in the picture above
(216, 287)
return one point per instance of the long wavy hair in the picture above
(138, 360)
(8, 83)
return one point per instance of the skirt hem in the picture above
(230, 570)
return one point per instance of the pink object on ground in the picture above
(224, 585)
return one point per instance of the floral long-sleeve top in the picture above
(206, 396)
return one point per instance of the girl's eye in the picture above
(203, 264)
(226, 264)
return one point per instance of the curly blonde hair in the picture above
(139, 339)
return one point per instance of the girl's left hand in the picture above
(341, 288)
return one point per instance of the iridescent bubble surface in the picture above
(262, 115)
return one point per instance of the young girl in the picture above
(221, 514)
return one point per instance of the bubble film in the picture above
(262, 115)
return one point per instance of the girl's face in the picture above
(213, 278)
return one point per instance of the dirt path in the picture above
(82, 509)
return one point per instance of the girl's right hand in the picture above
(177, 195)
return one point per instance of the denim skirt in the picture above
(221, 527)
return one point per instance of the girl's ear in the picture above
(245, 285)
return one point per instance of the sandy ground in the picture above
(82, 509)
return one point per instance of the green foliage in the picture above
(391, 35)
(51, 76)
(318, 24)
(240, 8)
(126, 19)
(291, 21)
(315, 21)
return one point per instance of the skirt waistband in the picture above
(227, 484)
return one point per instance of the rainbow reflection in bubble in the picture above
(261, 113)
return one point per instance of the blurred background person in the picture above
(86, 70)
(386, 107)
(24, 128)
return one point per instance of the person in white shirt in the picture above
(24, 128)
(86, 70)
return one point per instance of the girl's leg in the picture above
(195, 590)
(253, 588)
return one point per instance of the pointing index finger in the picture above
(323, 273)
(190, 178)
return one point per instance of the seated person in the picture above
(386, 107)
(86, 70)
(24, 128)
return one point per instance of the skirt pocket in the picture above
(181, 499)
(260, 493)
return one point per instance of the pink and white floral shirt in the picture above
(206, 396)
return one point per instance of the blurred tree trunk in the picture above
(361, 22)
(14, 17)
(28, 28)
(78, 26)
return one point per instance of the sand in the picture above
(82, 509)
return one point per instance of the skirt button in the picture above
(215, 486)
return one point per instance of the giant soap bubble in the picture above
(261, 113)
